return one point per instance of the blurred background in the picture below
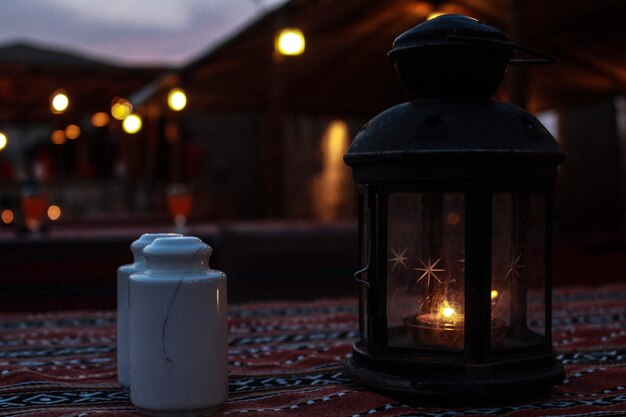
(228, 119)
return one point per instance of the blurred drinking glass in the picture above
(179, 201)
(34, 207)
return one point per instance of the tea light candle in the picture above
(443, 328)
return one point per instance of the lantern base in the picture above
(464, 382)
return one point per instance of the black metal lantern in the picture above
(456, 195)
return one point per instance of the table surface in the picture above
(286, 359)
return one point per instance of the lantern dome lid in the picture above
(455, 56)
(446, 30)
(454, 131)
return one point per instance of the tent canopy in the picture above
(345, 68)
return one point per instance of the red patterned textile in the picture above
(286, 359)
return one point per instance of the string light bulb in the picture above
(58, 137)
(72, 132)
(121, 109)
(59, 101)
(3, 141)
(176, 99)
(132, 124)
(290, 41)
(100, 119)
(54, 212)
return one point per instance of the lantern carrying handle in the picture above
(357, 274)
(542, 58)
(363, 270)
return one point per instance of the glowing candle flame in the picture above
(494, 294)
(447, 311)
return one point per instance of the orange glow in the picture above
(132, 124)
(7, 216)
(434, 15)
(330, 186)
(100, 119)
(54, 212)
(58, 137)
(176, 99)
(121, 109)
(34, 209)
(290, 41)
(72, 132)
(420, 9)
(453, 219)
(179, 204)
(448, 315)
(3, 141)
(59, 102)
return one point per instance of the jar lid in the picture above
(178, 253)
(146, 239)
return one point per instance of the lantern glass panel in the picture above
(426, 270)
(518, 270)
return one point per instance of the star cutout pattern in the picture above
(429, 270)
(399, 259)
(513, 267)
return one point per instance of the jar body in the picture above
(178, 342)
(123, 274)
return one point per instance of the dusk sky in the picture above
(169, 32)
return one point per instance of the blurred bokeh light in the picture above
(290, 42)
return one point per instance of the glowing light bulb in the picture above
(494, 294)
(132, 124)
(59, 102)
(54, 212)
(72, 132)
(290, 42)
(58, 137)
(7, 216)
(176, 99)
(3, 141)
(121, 109)
(100, 119)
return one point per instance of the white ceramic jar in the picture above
(178, 331)
(123, 274)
